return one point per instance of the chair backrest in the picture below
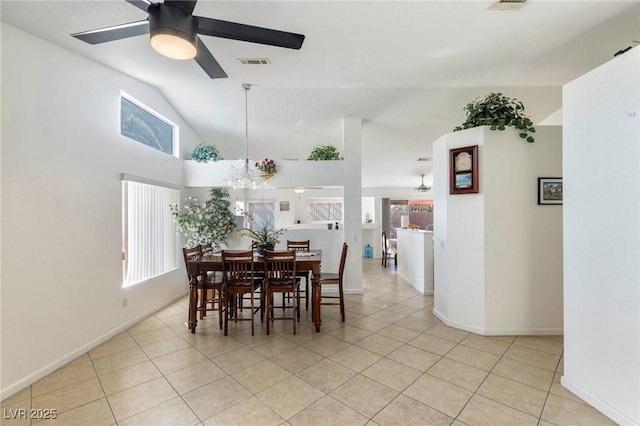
(343, 260)
(206, 248)
(190, 253)
(237, 267)
(298, 245)
(280, 266)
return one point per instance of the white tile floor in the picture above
(391, 363)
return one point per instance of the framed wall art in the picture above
(284, 206)
(463, 170)
(549, 190)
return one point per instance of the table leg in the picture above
(193, 305)
(316, 299)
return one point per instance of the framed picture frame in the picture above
(284, 206)
(463, 170)
(550, 191)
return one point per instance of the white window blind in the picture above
(329, 211)
(263, 213)
(150, 239)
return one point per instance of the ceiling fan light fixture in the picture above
(173, 32)
(299, 189)
(422, 188)
(173, 46)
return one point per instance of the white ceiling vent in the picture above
(508, 5)
(254, 61)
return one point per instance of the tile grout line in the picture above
(102, 388)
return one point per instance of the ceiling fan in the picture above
(174, 33)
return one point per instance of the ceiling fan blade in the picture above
(235, 31)
(186, 5)
(205, 59)
(116, 32)
(140, 4)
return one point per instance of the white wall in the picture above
(62, 210)
(601, 237)
(459, 240)
(523, 240)
(498, 255)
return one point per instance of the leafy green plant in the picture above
(203, 153)
(206, 221)
(325, 152)
(262, 232)
(498, 111)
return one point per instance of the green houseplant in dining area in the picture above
(208, 221)
(262, 233)
(498, 111)
(267, 167)
(325, 152)
(203, 153)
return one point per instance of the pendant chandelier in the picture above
(246, 175)
(422, 188)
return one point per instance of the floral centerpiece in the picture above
(267, 167)
(206, 221)
(262, 233)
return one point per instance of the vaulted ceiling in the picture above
(405, 67)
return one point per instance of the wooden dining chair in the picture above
(280, 277)
(335, 279)
(303, 246)
(387, 251)
(239, 279)
(209, 287)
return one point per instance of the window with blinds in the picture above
(326, 211)
(150, 242)
(263, 213)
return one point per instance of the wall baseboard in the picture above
(414, 285)
(596, 403)
(499, 332)
(43, 372)
(459, 325)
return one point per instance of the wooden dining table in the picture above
(305, 261)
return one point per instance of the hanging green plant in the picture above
(325, 152)
(203, 153)
(498, 111)
(206, 221)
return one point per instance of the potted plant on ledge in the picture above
(498, 111)
(267, 168)
(325, 152)
(203, 153)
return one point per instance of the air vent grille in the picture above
(254, 61)
(508, 5)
